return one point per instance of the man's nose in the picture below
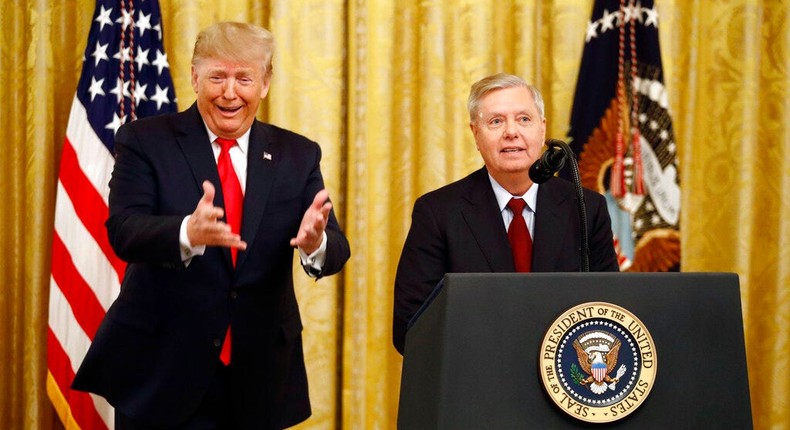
(511, 130)
(230, 89)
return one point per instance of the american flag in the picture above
(622, 132)
(125, 76)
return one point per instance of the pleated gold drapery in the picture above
(381, 84)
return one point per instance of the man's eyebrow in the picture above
(499, 113)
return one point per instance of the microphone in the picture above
(549, 163)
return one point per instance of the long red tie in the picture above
(234, 200)
(518, 234)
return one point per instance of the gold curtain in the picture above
(382, 86)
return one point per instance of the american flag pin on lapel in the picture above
(267, 156)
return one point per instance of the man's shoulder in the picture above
(278, 134)
(562, 187)
(459, 188)
(165, 122)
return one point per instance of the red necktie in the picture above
(234, 200)
(518, 234)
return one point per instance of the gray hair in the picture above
(499, 81)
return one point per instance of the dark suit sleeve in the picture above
(337, 247)
(421, 267)
(602, 254)
(137, 229)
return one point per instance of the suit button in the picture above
(217, 343)
(234, 294)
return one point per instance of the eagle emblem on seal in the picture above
(597, 353)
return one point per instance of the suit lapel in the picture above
(194, 143)
(262, 161)
(484, 220)
(552, 217)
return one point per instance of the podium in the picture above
(472, 355)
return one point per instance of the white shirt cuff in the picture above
(187, 250)
(314, 263)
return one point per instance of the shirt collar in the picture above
(503, 196)
(243, 141)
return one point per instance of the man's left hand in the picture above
(311, 231)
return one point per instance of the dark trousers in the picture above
(214, 412)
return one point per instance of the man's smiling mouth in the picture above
(229, 109)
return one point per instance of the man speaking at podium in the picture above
(497, 219)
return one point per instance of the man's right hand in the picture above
(205, 228)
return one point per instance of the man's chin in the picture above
(516, 168)
(231, 126)
(508, 172)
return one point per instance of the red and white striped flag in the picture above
(125, 76)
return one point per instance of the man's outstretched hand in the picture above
(311, 231)
(205, 228)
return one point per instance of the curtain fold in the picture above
(381, 86)
(307, 96)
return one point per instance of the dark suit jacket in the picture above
(157, 348)
(458, 228)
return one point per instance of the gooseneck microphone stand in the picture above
(550, 163)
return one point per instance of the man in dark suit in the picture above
(463, 226)
(206, 331)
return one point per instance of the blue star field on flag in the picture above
(621, 131)
(125, 72)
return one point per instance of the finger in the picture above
(208, 192)
(318, 219)
(325, 210)
(295, 243)
(301, 236)
(237, 243)
(320, 198)
(317, 227)
(220, 227)
(210, 214)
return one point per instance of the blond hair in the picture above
(235, 41)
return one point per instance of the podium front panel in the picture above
(471, 359)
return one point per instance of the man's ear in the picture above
(473, 127)
(194, 79)
(543, 124)
(265, 87)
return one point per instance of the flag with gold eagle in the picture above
(621, 131)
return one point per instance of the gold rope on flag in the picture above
(627, 172)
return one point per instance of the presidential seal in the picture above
(598, 362)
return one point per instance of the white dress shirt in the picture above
(503, 197)
(238, 157)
